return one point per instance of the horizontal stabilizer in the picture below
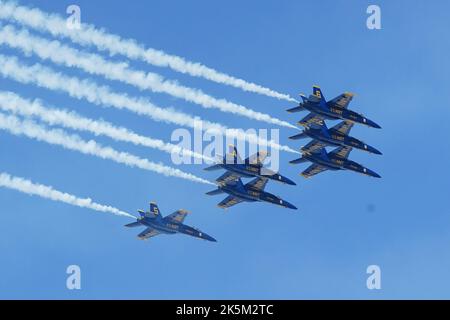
(213, 167)
(133, 224)
(296, 109)
(299, 136)
(214, 192)
(299, 160)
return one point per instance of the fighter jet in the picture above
(316, 128)
(231, 184)
(248, 168)
(156, 224)
(334, 160)
(333, 110)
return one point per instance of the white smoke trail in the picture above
(114, 44)
(96, 65)
(59, 137)
(12, 102)
(102, 95)
(28, 187)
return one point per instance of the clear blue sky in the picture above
(345, 221)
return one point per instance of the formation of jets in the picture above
(230, 182)
(338, 136)
(236, 169)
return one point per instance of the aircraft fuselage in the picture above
(171, 227)
(338, 163)
(335, 138)
(252, 195)
(248, 170)
(336, 113)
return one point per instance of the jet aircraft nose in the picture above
(371, 173)
(371, 123)
(207, 237)
(373, 150)
(288, 181)
(287, 205)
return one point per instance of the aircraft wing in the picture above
(342, 152)
(257, 158)
(229, 202)
(312, 170)
(177, 216)
(312, 119)
(313, 146)
(148, 233)
(342, 100)
(344, 127)
(258, 183)
(228, 178)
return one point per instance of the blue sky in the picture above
(345, 221)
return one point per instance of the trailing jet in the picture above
(316, 129)
(248, 168)
(156, 224)
(333, 110)
(334, 160)
(231, 184)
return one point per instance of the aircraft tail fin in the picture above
(154, 210)
(240, 186)
(233, 156)
(318, 93)
(304, 98)
(323, 153)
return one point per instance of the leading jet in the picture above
(334, 160)
(231, 184)
(248, 168)
(316, 129)
(156, 224)
(332, 110)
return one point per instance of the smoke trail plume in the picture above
(12, 102)
(59, 137)
(96, 65)
(91, 36)
(102, 95)
(28, 187)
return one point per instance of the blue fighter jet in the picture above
(316, 129)
(231, 184)
(334, 160)
(248, 168)
(156, 224)
(332, 110)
